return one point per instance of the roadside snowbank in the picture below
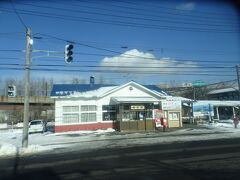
(3, 125)
(83, 132)
(10, 140)
(9, 149)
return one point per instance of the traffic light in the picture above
(12, 91)
(68, 53)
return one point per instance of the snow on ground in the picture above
(10, 140)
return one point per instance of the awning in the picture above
(135, 100)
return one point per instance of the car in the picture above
(37, 126)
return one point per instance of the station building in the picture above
(130, 106)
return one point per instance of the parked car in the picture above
(37, 126)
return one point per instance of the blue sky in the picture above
(150, 42)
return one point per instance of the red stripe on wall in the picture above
(78, 127)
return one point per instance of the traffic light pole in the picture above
(27, 89)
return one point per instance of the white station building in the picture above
(130, 106)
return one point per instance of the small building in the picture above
(129, 106)
(230, 93)
(209, 110)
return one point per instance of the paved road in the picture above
(215, 159)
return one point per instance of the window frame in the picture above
(70, 120)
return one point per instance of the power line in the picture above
(126, 67)
(175, 61)
(153, 11)
(10, 33)
(10, 58)
(149, 48)
(121, 23)
(155, 5)
(134, 12)
(82, 3)
(123, 16)
(118, 72)
(19, 17)
(125, 62)
(234, 80)
(11, 50)
(125, 56)
(94, 47)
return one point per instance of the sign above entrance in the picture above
(171, 105)
(137, 107)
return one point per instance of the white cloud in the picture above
(186, 6)
(136, 62)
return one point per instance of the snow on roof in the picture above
(218, 103)
(155, 89)
(223, 90)
(69, 89)
(88, 90)
(93, 93)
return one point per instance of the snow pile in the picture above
(10, 140)
(11, 150)
(7, 149)
(19, 125)
(100, 131)
(93, 93)
(226, 126)
(3, 125)
(84, 132)
(10, 134)
(34, 149)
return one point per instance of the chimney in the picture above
(92, 81)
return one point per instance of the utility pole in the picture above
(194, 93)
(237, 69)
(27, 89)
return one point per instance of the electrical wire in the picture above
(19, 17)
(147, 48)
(9, 33)
(127, 67)
(124, 16)
(117, 72)
(95, 47)
(160, 61)
(155, 5)
(176, 13)
(121, 23)
(11, 50)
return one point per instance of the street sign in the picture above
(198, 83)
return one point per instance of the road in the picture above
(212, 159)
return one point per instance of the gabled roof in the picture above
(157, 91)
(69, 89)
(100, 90)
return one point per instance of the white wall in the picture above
(124, 92)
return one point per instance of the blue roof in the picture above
(155, 88)
(67, 89)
